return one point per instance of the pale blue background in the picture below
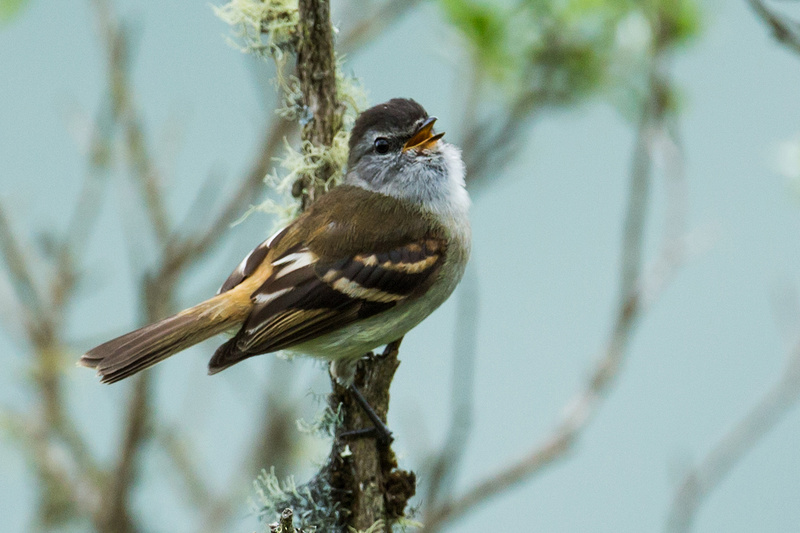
(545, 254)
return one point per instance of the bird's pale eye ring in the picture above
(382, 145)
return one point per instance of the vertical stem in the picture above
(364, 470)
(316, 70)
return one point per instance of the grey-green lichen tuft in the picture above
(314, 504)
(324, 424)
(315, 507)
(264, 27)
(268, 29)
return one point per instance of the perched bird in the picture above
(359, 268)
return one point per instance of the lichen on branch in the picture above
(266, 28)
(360, 486)
(270, 30)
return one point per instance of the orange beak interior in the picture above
(423, 138)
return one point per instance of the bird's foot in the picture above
(379, 430)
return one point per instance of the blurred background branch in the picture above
(784, 29)
(636, 291)
(704, 477)
(516, 64)
(82, 486)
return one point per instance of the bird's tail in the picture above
(140, 349)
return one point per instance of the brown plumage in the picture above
(360, 261)
(360, 267)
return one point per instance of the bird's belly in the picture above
(359, 338)
(356, 339)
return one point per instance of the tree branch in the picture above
(105, 490)
(42, 310)
(316, 70)
(114, 513)
(361, 473)
(125, 114)
(462, 392)
(182, 251)
(711, 471)
(635, 292)
(364, 470)
(786, 32)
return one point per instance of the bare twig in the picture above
(114, 513)
(116, 41)
(488, 144)
(274, 443)
(42, 309)
(87, 208)
(271, 446)
(182, 251)
(712, 470)
(66, 486)
(785, 31)
(19, 272)
(634, 286)
(462, 392)
(44, 295)
(43, 300)
(177, 252)
(181, 457)
(284, 525)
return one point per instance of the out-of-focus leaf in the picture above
(679, 21)
(557, 52)
(485, 27)
(10, 8)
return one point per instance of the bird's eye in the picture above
(382, 145)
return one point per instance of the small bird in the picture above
(358, 269)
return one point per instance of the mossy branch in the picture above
(360, 487)
(316, 72)
(362, 473)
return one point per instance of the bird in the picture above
(360, 267)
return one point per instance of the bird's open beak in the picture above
(423, 138)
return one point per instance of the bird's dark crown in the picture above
(398, 114)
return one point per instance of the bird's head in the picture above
(394, 151)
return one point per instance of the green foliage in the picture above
(678, 21)
(559, 51)
(484, 26)
(11, 8)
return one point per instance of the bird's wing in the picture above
(351, 255)
(250, 263)
(307, 294)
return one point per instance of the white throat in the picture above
(435, 183)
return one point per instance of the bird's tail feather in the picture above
(146, 346)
